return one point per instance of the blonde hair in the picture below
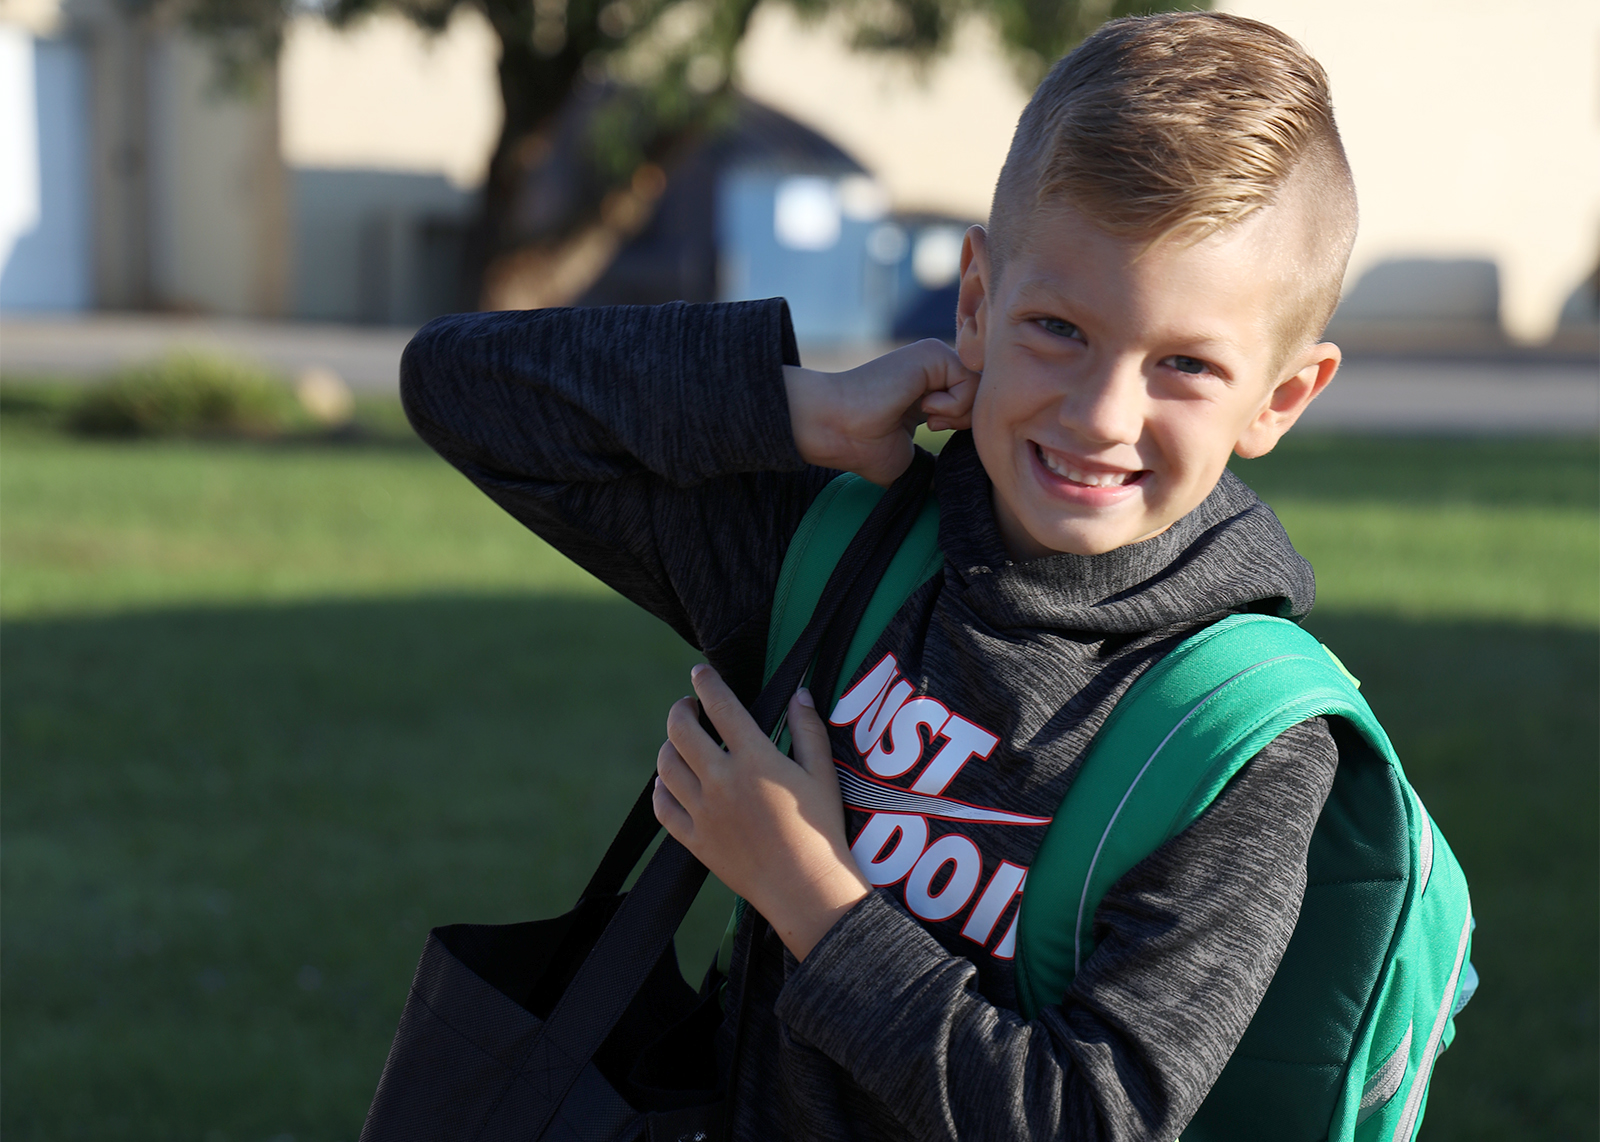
(1180, 125)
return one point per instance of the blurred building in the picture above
(339, 189)
(126, 181)
(132, 180)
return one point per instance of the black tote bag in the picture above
(581, 1028)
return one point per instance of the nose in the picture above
(1105, 404)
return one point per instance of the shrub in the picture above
(187, 394)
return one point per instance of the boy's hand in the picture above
(771, 830)
(862, 421)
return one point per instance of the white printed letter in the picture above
(870, 726)
(861, 695)
(1008, 942)
(954, 849)
(967, 741)
(1004, 886)
(909, 833)
(901, 748)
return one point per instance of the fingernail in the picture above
(803, 696)
(694, 671)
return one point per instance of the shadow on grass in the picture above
(227, 832)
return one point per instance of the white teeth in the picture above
(1088, 479)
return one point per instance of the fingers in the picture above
(952, 389)
(952, 407)
(675, 774)
(811, 746)
(685, 733)
(943, 369)
(673, 816)
(724, 709)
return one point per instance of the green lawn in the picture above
(271, 711)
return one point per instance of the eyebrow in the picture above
(1205, 342)
(1036, 292)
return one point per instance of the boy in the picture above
(1167, 241)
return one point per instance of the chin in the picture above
(1075, 538)
(1096, 545)
(1058, 540)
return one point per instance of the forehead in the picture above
(1228, 286)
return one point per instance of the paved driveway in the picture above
(1399, 395)
(367, 357)
(1506, 394)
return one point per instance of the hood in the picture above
(1228, 555)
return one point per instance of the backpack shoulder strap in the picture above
(827, 528)
(825, 531)
(1166, 751)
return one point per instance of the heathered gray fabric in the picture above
(652, 446)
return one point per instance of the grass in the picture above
(1429, 529)
(271, 711)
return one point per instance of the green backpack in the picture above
(1365, 997)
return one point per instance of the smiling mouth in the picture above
(1056, 466)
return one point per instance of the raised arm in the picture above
(669, 450)
(652, 446)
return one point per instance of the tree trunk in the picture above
(550, 221)
(533, 90)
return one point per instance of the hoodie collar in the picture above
(1230, 554)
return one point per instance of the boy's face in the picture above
(1117, 380)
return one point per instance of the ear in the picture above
(1288, 399)
(972, 305)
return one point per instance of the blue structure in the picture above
(852, 272)
(808, 237)
(50, 267)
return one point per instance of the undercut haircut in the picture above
(1177, 126)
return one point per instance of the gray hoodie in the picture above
(652, 446)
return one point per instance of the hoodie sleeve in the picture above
(1187, 942)
(651, 445)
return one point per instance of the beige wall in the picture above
(1473, 127)
(41, 17)
(218, 228)
(384, 95)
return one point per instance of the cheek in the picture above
(1007, 399)
(985, 416)
(1194, 452)
(994, 425)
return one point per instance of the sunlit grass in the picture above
(1438, 528)
(101, 527)
(92, 526)
(1532, 564)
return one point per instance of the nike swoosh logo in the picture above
(863, 792)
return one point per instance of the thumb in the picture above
(811, 747)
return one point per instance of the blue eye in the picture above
(1194, 366)
(1061, 328)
